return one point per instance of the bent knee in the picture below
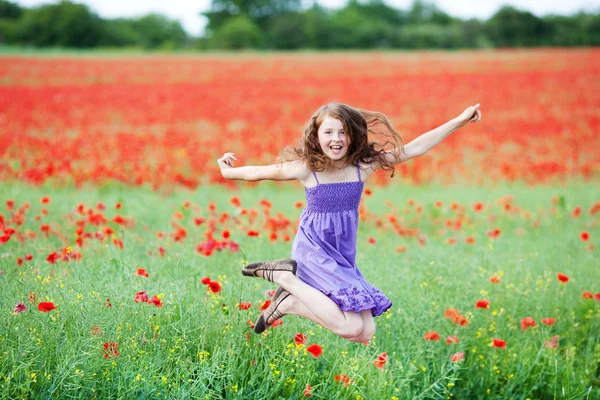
(350, 330)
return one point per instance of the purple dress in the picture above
(325, 247)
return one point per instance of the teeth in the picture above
(336, 147)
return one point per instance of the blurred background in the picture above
(297, 24)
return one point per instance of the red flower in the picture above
(576, 212)
(483, 304)
(45, 200)
(244, 305)
(452, 240)
(214, 286)
(494, 279)
(563, 278)
(300, 339)
(432, 336)
(308, 390)
(141, 297)
(494, 234)
(527, 322)
(478, 206)
(343, 378)
(452, 340)
(235, 201)
(315, 350)
(499, 343)
(470, 240)
(456, 357)
(368, 192)
(548, 321)
(156, 301)
(381, 360)
(453, 315)
(205, 280)
(270, 292)
(587, 295)
(29, 257)
(371, 240)
(597, 296)
(584, 236)
(20, 307)
(276, 323)
(142, 272)
(265, 305)
(46, 306)
(252, 233)
(299, 204)
(110, 350)
(19, 261)
(226, 234)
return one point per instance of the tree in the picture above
(64, 24)
(237, 33)
(512, 27)
(156, 31)
(9, 10)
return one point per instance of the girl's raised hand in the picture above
(471, 114)
(226, 161)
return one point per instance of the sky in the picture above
(187, 11)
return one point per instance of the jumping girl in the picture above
(333, 160)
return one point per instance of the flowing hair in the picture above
(358, 124)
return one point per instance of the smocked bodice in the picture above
(334, 197)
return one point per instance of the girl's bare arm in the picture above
(286, 171)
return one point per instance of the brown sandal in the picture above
(270, 267)
(261, 324)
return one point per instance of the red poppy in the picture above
(478, 206)
(299, 204)
(584, 236)
(252, 233)
(308, 390)
(368, 192)
(563, 278)
(483, 304)
(29, 257)
(452, 240)
(214, 286)
(597, 296)
(300, 339)
(434, 336)
(19, 261)
(401, 249)
(235, 201)
(141, 297)
(142, 272)
(118, 205)
(576, 212)
(381, 360)
(226, 234)
(156, 301)
(456, 357)
(315, 350)
(527, 322)
(371, 240)
(270, 293)
(494, 279)
(452, 340)
(205, 280)
(244, 305)
(110, 350)
(45, 200)
(470, 240)
(499, 343)
(587, 295)
(548, 321)
(265, 305)
(453, 315)
(20, 307)
(46, 306)
(551, 344)
(494, 234)
(276, 323)
(343, 378)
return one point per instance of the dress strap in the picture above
(317, 179)
(358, 172)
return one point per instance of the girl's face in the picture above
(333, 139)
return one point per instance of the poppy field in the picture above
(121, 244)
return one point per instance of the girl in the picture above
(333, 160)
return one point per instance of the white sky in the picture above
(187, 11)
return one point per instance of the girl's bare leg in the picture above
(293, 306)
(344, 324)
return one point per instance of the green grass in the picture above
(196, 345)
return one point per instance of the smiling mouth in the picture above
(335, 147)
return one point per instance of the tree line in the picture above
(285, 25)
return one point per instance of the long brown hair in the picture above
(358, 124)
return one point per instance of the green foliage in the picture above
(283, 24)
(63, 24)
(237, 33)
(196, 344)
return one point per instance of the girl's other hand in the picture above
(471, 114)
(226, 161)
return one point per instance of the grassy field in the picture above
(99, 342)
